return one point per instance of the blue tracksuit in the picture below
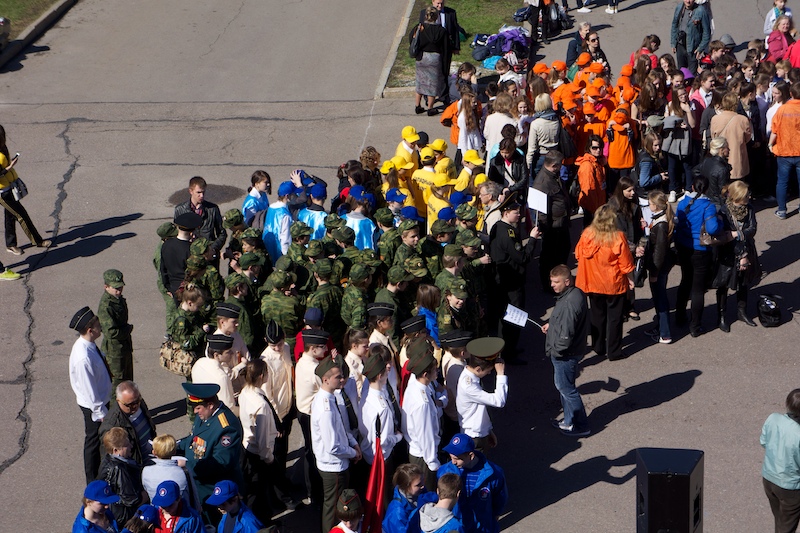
(364, 229)
(400, 510)
(478, 507)
(254, 204)
(276, 228)
(314, 217)
(81, 525)
(246, 521)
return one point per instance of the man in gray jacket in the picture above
(565, 344)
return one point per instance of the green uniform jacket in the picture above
(295, 253)
(213, 450)
(117, 343)
(432, 252)
(388, 244)
(329, 298)
(246, 322)
(449, 319)
(187, 330)
(443, 280)
(354, 307)
(402, 253)
(342, 265)
(286, 311)
(157, 264)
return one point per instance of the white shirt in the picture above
(306, 382)
(421, 423)
(468, 139)
(356, 366)
(770, 115)
(377, 405)
(258, 424)
(333, 446)
(278, 385)
(472, 400)
(379, 338)
(208, 370)
(89, 378)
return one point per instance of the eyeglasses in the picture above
(595, 147)
(594, 40)
(134, 403)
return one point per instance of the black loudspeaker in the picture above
(669, 490)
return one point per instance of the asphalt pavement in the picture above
(120, 103)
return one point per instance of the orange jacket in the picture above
(620, 149)
(603, 269)
(586, 129)
(451, 114)
(592, 179)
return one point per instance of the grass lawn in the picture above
(475, 16)
(22, 13)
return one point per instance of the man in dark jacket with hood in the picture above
(554, 223)
(565, 344)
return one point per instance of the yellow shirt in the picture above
(422, 181)
(410, 157)
(434, 205)
(9, 177)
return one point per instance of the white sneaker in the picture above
(584, 9)
(610, 10)
(672, 199)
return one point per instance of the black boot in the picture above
(742, 315)
(721, 304)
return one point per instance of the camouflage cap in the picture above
(453, 250)
(333, 221)
(282, 280)
(167, 230)
(359, 272)
(407, 225)
(113, 278)
(398, 274)
(323, 267)
(250, 259)
(385, 216)
(199, 246)
(344, 234)
(300, 229)
(467, 237)
(441, 226)
(232, 217)
(370, 258)
(314, 249)
(251, 233)
(234, 280)
(416, 266)
(284, 263)
(458, 288)
(466, 212)
(196, 262)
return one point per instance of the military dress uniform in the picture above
(472, 401)
(117, 343)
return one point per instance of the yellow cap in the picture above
(387, 167)
(426, 153)
(441, 179)
(480, 178)
(400, 163)
(471, 156)
(438, 145)
(410, 134)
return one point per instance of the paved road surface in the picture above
(119, 104)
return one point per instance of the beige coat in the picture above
(738, 131)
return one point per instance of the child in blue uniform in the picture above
(314, 215)
(357, 219)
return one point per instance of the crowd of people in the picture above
(378, 322)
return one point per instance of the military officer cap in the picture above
(413, 324)
(455, 338)
(323, 267)
(385, 216)
(313, 316)
(199, 246)
(167, 230)
(315, 337)
(232, 217)
(314, 249)
(251, 233)
(359, 272)
(219, 342)
(407, 225)
(398, 274)
(300, 229)
(234, 279)
(223, 491)
(370, 258)
(466, 212)
(511, 202)
(467, 237)
(453, 250)
(324, 366)
(200, 392)
(251, 259)
(275, 333)
(420, 356)
(333, 221)
(380, 309)
(416, 266)
(113, 278)
(344, 234)
(196, 262)
(81, 319)
(284, 263)
(282, 280)
(458, 288)
(188, 221)
(227, 310)
(488, 348)
(441, 226)
(349, 503)
(374, 365)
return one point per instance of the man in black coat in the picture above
(130, 413)
(211, 228)
(554, 224)
(448, 20)
(175, 252)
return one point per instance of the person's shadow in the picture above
(168, 412)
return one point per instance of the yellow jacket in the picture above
(422, 181)
(434, 205)
(9, 177)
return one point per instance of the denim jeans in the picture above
(661, 303)
(680, 173)
(785, 166)
(564, 373)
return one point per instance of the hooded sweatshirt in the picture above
(603, 268)
(434, 519)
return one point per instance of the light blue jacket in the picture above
(315, 219)
(364, 229)
(254, 202)
(780, 438)
(276, 234)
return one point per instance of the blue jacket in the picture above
(698, 33)
(273, 223)
(397, 514)
(687, 232)
(81, 525)
(314, 218)
(246, 521)
(364, 229)
(478, 509)
(189, 521)
(431, 323)
(254, 204)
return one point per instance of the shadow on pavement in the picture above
(168, 412)
(16, 63)
(781, 253)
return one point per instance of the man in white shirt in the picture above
(209, 369)
(471, 400)
(90, 379)
(333, 446)
(228, 324)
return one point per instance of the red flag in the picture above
(375, 492)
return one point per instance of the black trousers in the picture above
(15, 212)
(258, 487)
(606, 329)
(533, 20)
(91, 446)
(785, 505)
(313, 480)
(695, 268)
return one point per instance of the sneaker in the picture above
(781, 214)
(571, 431)
(16, 250)
(665, 340)
(615, 10)
(672, 197)
(9, 275)
(610, 10)
(584, 9)
(559, 424)
(45, 244)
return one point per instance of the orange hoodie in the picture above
(592, 179)
(603, 269)
(620, 148)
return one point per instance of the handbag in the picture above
(522, 14)
(639, 273)
(175, 359)
(706, 239)
(414, 49)
(18, 189)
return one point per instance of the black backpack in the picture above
(769, 312)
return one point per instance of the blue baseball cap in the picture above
(223, 491)
(457, 198)
(148, 513)
(167, 493)
(461, 443)
(410, 213)
(100, 491)
(306, 179)
(286, 188)
(394, 195)
(447, 213)
(318, 191)
(356, 192)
